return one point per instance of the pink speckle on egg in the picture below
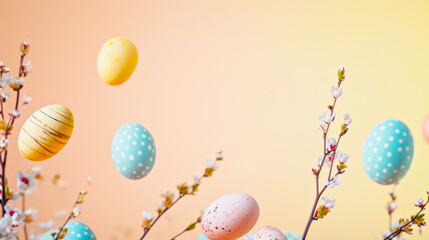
(270, 233)
(230, 217)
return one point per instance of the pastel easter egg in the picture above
(425, 128)
(270, 233)
(117, 60)
(230, 217)
(76, 231)
(133, 151)
(45, 132)
(388, 152)
(202, 237)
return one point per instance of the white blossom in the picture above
(75, 212)
(342, 157)
(148, 215)
(331, 143)
(336, 92)
(333, 182)
(3, 142)
(329, 203)
(27, 99)
(327, 117)
(347, 119)
(25, 182)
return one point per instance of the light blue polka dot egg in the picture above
(133, 151)
(388, 152)
(76, 231)
(203, 237)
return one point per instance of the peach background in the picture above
(248, 77)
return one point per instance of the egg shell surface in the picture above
(117, 60)
(45, 132)
(388, 152)
(133, 151)
(230, 217)
(76, 231)
(270, 233)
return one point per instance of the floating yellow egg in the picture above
(45, 132)
(117, 60)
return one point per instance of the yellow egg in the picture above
(117, 60)
(45, 132)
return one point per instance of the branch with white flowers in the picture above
(149, 219)
(62, 232)
(405, 225)
(330, 153)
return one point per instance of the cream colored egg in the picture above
(45, 132)
(117, 60)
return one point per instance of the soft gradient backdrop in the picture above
(248, 77)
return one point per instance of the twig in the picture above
(326, 153)
(401, 229)
(23, 210)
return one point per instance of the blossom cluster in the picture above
(184, 189)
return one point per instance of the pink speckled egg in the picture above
(230, 217)
(270, 233)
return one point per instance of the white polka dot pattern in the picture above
(76, 231)
(133, 151)
(388, 152)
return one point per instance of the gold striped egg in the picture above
(45, 132)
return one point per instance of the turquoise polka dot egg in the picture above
(133, 151)
(203, 237)
(388, 152)
(76, 231)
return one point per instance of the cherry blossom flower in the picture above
(147, 219)
(25, 182)
(4, 94)
(211, 164)
(27, 100)
(342, 157)
(419, 203)
(16, 215)
(16, 83)
(333, 182)
(15, 113)
(160, 208)
(168, 198)
(3, 142)
(75, 212)
(27, 68)
(347, 119)
(328, 202)
(331, 143)
(4, 81)
(391, 207)
(327, 117)
(336, 92)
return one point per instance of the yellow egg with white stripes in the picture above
(45, 132)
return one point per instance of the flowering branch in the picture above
(405, 225)
(330, 153)
(73, 214)
(16, 85)
(190, 227)
(149, 219)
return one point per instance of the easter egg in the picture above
(292, 236)
(270, 233)
(45, 132)
(230, 217)
(425, 128)
(117, 60)
(202, 237)
(133, 151)
(76, 231)
(388, 152)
